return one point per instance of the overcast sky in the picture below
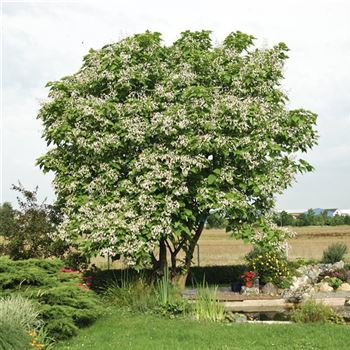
(46, 40)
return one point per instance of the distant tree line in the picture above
(310, 218)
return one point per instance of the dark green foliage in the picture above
(310, 218)
(284, 219)
(64, 302)
(13, 338)
(334, 253)
(76, 261)
(213, 275)
(8, 225)
(216, 220)
(27, 230)
(61, 328)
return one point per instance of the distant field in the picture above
(312, 231)
(216, 247)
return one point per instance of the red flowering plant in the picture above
(69, 270)
(86, 281)
(248, 278)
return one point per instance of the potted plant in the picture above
(250, 279)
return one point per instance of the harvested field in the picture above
(216, 247)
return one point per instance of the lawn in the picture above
(121, 330)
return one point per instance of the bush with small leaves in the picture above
(65, 303)
(313, 312)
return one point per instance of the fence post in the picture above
(198, 260)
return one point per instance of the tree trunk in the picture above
(179, 278)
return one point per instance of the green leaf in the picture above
(211, 179)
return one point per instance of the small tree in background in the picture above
(8, 225)
(146, 139)
(27, 230)
(216, 220)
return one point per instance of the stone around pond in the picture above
(345, 287)
(249, 291)
(270, 289)
(236, 317)
(325, 287)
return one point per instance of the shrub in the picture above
(76, 261)
(334, 253)
(334, 282)
(342, 274)
(27, 230)
(272, 266)
(135, 294)
(170, 300)
(63, 299)
(312, 312)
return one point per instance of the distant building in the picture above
(317, 211)
(342, 212)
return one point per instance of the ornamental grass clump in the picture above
(206, 306)
(134, 294)
(334, 253)
(20, 325)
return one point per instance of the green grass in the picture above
(118, 330)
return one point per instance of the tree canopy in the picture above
(147, 138)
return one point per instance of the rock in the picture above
(249, 291)
(325, 287)
(270, 289)
(300, 294)
(313, 272)
(345, 287)
(236, 317)
(299, 282)
(338, 265)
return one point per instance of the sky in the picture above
(43, 41)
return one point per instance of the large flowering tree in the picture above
(147, 139)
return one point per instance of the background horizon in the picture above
(46, 40)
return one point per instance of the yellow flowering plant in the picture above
(271, 265)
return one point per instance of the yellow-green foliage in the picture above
(206, 307)
(313, 312)
(13, 337)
